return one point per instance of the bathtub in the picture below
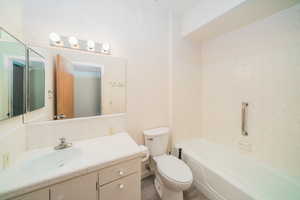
(224, 174)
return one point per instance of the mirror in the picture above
(12, 76)
(88, 84)
(84, 84)
(77, 84)
(36, 81)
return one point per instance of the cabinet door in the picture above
(127, 188)
(81, 188)
(37, 195)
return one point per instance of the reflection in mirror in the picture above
(17, 87)
(89, 85)
(36, 81)
(12, 76)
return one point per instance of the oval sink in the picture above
(50, 161)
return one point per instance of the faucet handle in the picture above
(62, 140)
(63, 144)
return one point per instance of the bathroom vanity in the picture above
(105, 168)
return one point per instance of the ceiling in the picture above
(179, 6)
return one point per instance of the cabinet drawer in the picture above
(127, 188)
(118, 171)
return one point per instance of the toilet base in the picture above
(165, 193)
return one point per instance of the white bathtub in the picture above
(223, 174)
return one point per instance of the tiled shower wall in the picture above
(258, 64)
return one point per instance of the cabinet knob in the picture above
(121, 173)
(121, 186)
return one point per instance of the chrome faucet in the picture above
(63, 144)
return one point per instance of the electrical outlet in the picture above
(5, 160)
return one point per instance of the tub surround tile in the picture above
(259, 64)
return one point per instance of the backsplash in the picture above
(12, 145)
(44, 134)
(31, 136)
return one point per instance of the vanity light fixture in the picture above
(105, 48)
(90, 45)
(73, 42)
(55, 38)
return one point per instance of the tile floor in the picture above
(149, 192)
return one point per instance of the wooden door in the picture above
(64, 88)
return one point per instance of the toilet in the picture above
(172, 175)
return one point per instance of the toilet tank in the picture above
(157, 140)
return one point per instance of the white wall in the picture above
(204, 12)
(212, 18)
(137, 30)
(185, 81)
(12, 142)
(258, 64)
(11, 19)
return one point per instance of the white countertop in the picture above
(33, 171)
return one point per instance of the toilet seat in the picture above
(173, 169)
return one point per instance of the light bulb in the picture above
(54, 37)
(90, 45)
(73, 42)
(105, 47)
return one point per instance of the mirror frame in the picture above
(23, 58)
(26, 99)
(27, 79)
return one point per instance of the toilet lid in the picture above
(173, 168)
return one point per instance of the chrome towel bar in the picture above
(244, 110)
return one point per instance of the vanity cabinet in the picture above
(118, 181)
(83, 187)
(37, 195)
(118, 171)
(122, 181)
(127, 188)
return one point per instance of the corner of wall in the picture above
(12, 140)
